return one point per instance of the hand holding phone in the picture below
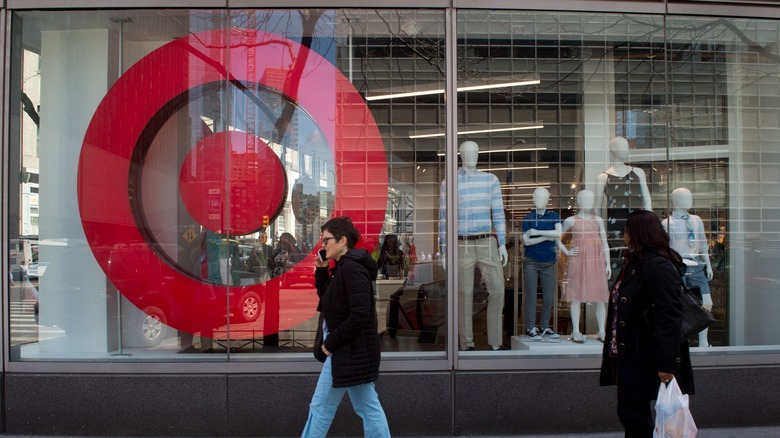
(322, 255)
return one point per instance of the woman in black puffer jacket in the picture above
(350, 350)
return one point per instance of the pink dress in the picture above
(587, 279)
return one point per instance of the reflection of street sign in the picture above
(190, 235)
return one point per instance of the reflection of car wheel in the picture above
(153, 326)
(249, 308)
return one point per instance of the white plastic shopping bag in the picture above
(673, 419)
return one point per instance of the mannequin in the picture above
(625, 189)
(686, 236)
(541, 229)
(480, 210)
(589, 268)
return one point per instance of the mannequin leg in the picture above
(489, 264)
(467, 258)
(530, 279)
(549, 284)
(601, 318)
(574, 312)
(706, 299)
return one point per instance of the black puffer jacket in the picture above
(648, 323)
(348, 306)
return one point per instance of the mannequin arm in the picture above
(573, 252)
(704, 250)
(646, 201)
(503, 254)
(601, 184)
(528, 240)
(605, 245)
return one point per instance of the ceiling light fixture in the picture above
(544, 148)
(422, 91)
(424, 134)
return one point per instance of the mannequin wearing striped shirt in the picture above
(480, 211)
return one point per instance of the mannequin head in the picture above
(469, 154)
(618, 147)
(682, 200)
(585, 200)
(541, 198)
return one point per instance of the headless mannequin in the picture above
(686, 235)
(585, 202)
(477, 246)
(540, 264)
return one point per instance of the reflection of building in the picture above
(695, 96)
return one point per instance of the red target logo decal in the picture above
(115, 178)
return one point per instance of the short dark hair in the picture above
(342, 227)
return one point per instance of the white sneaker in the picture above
(533, 333)
(549, 334)
(577, 337)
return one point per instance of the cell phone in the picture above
(322, 255)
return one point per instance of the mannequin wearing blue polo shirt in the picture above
(686, 236)
(480, 210)
(541, 230)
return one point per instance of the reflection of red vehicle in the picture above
(301, 274)
(145, 321)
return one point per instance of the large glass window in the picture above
(170, 171)
(581, 116)
(173, 169)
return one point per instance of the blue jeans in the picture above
(326, 399)
(534, 272)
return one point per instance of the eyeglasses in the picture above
(326, 239)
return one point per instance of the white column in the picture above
(74, 78)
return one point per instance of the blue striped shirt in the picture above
(480, 206)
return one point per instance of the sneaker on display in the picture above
(533, 333)
(577, 337)
(548, 333)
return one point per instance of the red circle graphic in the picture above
(253, 195)
(219, 56)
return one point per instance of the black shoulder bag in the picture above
(696, 316)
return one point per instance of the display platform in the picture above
(591, 344)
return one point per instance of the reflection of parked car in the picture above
(302, 274)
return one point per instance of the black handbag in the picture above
(696, 316)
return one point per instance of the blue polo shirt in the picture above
(544, 251)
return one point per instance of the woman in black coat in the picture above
(643, 347)
(350, 349)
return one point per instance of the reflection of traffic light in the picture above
(266, 221)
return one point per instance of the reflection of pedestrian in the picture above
(642, 348)
(285, 256)
(350, 348)
(391, 258)
(719, 250)
(235, 264)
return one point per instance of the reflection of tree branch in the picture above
(29, 109)
(309, 18)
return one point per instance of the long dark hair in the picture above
(646, 233)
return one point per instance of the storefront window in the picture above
(170, 171)
(592, 116)
(175, 168)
